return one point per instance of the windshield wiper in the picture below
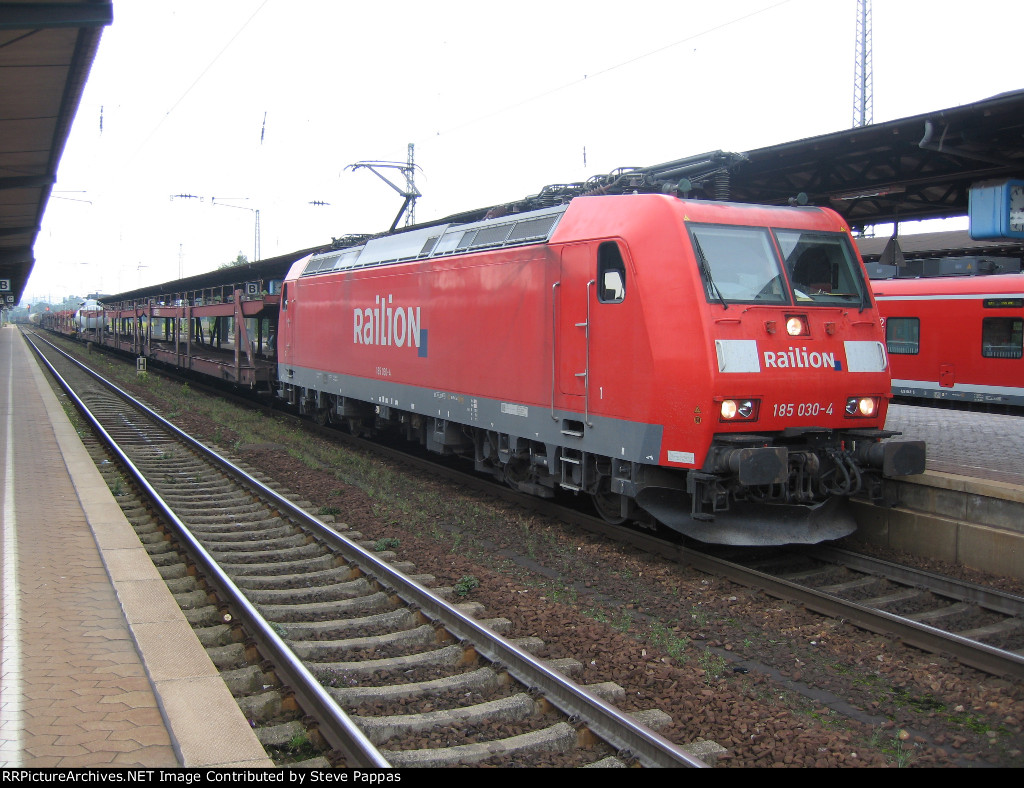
(703, 260)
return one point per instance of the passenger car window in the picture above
(903, 336)
(1002, 337)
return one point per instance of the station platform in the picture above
(99, 666)
(975, 445)
(968, 506)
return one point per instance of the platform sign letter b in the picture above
(5, 285)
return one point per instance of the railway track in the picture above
(385, 670)
(980, 627)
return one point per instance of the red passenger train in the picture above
(715, 367)
(958, 338)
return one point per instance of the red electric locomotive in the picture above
(955, 338)
(717, 368)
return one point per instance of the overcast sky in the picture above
(262, 105)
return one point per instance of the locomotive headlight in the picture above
(739, 409)
(796, 325)
(861, 407)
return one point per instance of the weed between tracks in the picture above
(896, 747)
(299, 748)
(466, 585)
(381, 545)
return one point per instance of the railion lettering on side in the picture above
(387, 324)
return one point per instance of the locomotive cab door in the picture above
(572, 324)
(284, 326)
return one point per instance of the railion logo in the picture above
(389, 326)
(798, 357)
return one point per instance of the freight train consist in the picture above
(713, 367)
(958, 338)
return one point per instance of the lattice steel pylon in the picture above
(862, 81)
(410, 185)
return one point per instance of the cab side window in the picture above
(611, 274)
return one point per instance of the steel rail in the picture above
(988, 598)
(609, 723)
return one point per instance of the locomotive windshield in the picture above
(738, 263)
(822, 267)
(743, 265)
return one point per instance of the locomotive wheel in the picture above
(608, 504)
(514, 472)
(322, 416)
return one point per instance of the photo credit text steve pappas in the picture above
(293, 777)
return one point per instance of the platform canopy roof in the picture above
(921, 167)
(46, 51)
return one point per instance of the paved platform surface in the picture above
(987, 446)
(99, 666)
